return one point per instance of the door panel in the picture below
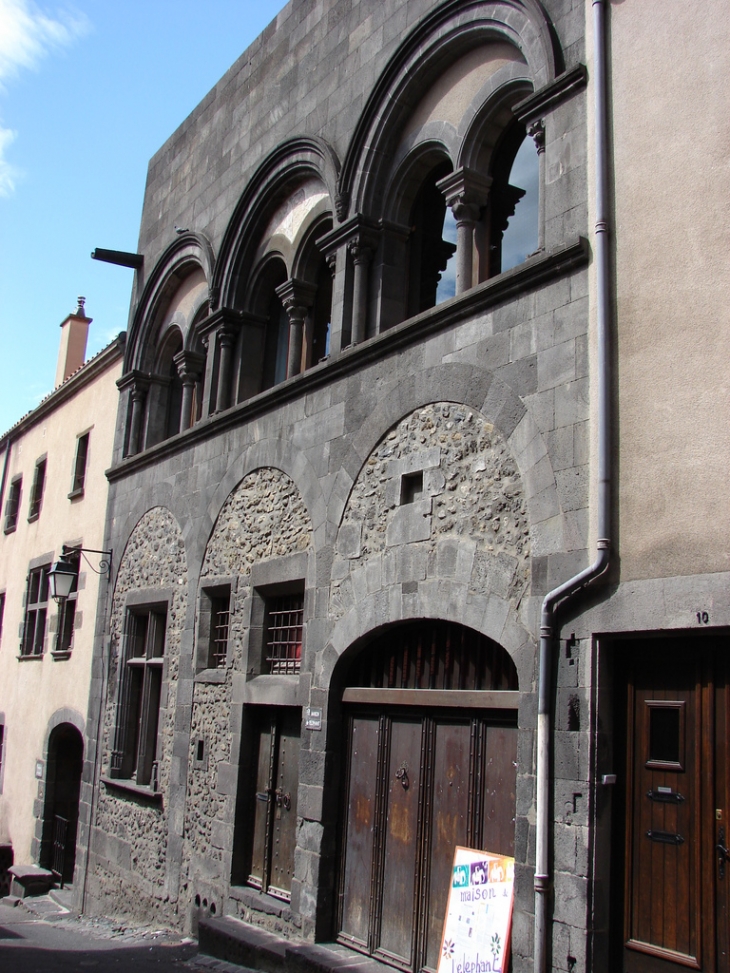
(284, 824)
(274, 818)
(676, 890)
(417, 786)
(498, 792)
(452, 775)
(400, 848)
(359, 834)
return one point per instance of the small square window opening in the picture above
(411, 487)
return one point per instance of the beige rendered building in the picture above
(54, 493)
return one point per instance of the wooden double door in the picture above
(676, 886)
(276, 750)
(418, 784)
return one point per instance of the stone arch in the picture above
(275, 453)
(289, 164)
(188, 253)
(439, 40)
(440, 599)
(463, 533)
(242, 533)
(474, 388)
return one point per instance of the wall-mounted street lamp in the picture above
(64, 572)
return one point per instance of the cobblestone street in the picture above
(42, 934)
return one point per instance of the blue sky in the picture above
(88, 92)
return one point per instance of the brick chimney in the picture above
(74, 332)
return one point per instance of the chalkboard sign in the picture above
(478, 914)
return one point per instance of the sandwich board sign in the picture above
(478, 919)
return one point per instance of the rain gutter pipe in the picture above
(564, 592)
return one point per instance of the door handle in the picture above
(282, 798)
(723, 855)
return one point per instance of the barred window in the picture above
(219, 622)
(36, 608)
(284, 626)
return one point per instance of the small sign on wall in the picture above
(39, 769)
(478, 913)
(313, 718)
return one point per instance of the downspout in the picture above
(564, 592)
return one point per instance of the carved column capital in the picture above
(536, 131)
(297, 296)
(189, 365)
(466, 191)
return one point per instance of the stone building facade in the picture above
(53, 493)
(368, 602)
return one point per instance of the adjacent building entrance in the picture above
(61, 805)
(676, 883)
(431, 764)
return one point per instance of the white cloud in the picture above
(8, 172)
(27, 34)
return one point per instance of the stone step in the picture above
(239, 942)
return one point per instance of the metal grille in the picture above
(284, 636)
(219, 632)
(433, 655)
(60, 832)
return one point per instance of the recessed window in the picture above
(213, 627)
(36, 608)
(79, 475)
(36, 496)
(13, 504)
(284, 627)
(411, 487)
(135, 751)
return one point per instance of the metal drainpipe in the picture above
(563, 592)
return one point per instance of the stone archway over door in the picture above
(431, 764)
(61, 805)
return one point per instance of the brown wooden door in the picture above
(417, 786)
(676, 882)
(275, 802)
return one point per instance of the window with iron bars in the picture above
(284, 627)
(219, 623)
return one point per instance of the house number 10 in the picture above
(703, 618)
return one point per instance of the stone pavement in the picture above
(42, 935)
